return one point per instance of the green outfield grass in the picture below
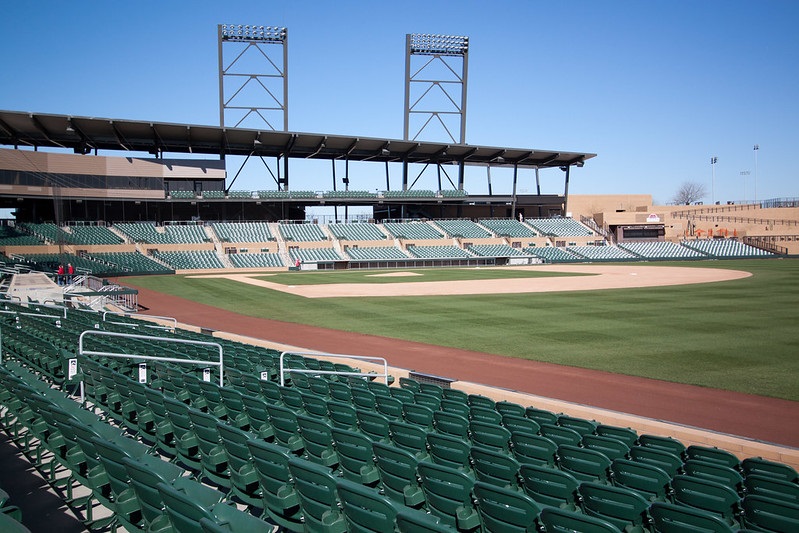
(740, 335)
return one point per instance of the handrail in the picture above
(219, 363)
(336, 372)
(130, 315)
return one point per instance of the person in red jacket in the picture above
(70, 273)
(60, 275)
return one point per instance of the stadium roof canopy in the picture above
(86, 134)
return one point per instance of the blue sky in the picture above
(655, 88)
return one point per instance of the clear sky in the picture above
(655, 88)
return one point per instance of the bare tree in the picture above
(688, 193)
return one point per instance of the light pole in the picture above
(713, 161)
(745, 173)
(756, 148)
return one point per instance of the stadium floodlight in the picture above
(447, 45)
(756, 148)
(251, 33)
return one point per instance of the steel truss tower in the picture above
(254, 71)
(436, 50)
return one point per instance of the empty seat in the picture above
(281, 501)
(356, 457)
(550, 486)
(448, 493)
(648, 480)
(534, 449)
(318, 495)
(398, 475)
(671, 518)
(496, 468)
(766, 514)
(366, 511)
(317, 438)
(505, 510)
(584, 464)
(708, 496)
(622, 507)
(557, 520)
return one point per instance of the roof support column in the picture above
(566, 169)
(513, 195)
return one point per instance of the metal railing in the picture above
(283, 369)
(198, 362)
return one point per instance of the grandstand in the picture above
(166, 445)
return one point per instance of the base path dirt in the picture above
(756, 417)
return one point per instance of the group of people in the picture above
(64, 276)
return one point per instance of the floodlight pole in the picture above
(713, 161)
(437, 47)
(258, 37)
(756, 149)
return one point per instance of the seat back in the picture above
(706, 495)
(550, 486)
(667, 444)
(373, 425)
(713, 455)
(281, 500)
(519, 423)
(287, 432)
(714, 471)
(398, 474)
(776, 489)
(648, 480)
(557, 520)
(484, 414)
(184, 512)
(401, 394)
(144, 478)
(492, 436)
(580, 425)
(342, 415)
(766, 514)
(774, 470)
(448, 493)
(671, 518)
(664, 460)
(621, 507)
(318, 494)
(449, 451)
(419, 415)
(542, 416)
(410, 438)
(505, 510)
(455, 407)
(560, 435)
(612, 448)
(495, 468)
(366, 511)
(317, 440)
(451, 424)
(627, 435)
(534, 449)
(355, 455)
(584, 464)
(389, 407)
(505, 407)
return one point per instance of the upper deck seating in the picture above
(243, 231)
(508, 227)
(463, 228)
(413, 230)
(559, 227)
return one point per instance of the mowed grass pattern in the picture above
(739, 335)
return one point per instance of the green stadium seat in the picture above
(520, 423)
(455, 395)
(450, 451)
(766, 514)
(420, 522)
(667, 444)
(666, 461)
(626, 435)
(284, 422)
(509, 408)
(145, 474)
(403, 395)
(764, 467)
(622, 507)
(410, 437)
(373, 425)
(490, 436)
(775, 489)
(671, 518)
(451, 424)
(714, 472)
(260, 423)
(561, 435)
(187, 504)
(428, 400)
(244, 481)
(356, 457)
(342, 415)
(418, 415)
(318, 494)
(612, 448)
(448, 493)
(650, 481)
(534, 449)
(542, 416)
(213, 458)
(550, 486)
(557, 520)
(366, 511)
(398, 475)
(584, 464)
(389, 407)
(708, 496)
(281, 500)
(580, 425)
(713, 455)
(504, 510)
(495, 468)
(318, 441)
(409, 384)
(456, 407)
(484, 414)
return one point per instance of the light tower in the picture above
(756, 149)
(260, 73)
(713, 161)
(438, 50)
